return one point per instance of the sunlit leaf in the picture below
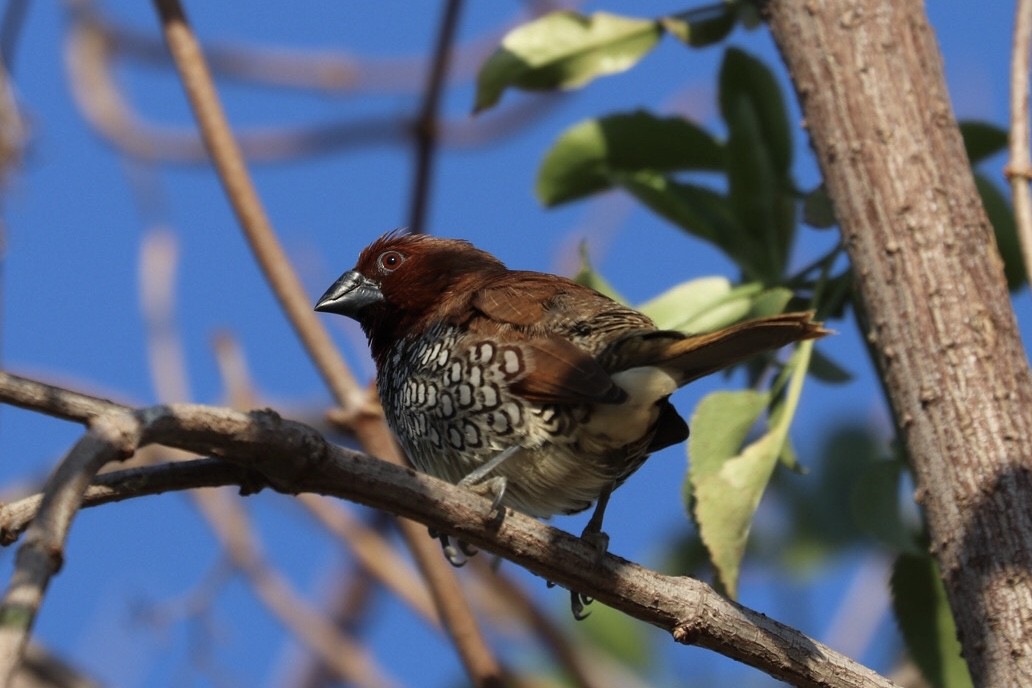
(725, 481)
(592, 155)
(685, 301)
(924, 617)
(790, 459)
(564, 50)
(770, 302)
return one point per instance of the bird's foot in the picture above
(457, 552)
(493, 488)
(598, 540)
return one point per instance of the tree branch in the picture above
(294, 458)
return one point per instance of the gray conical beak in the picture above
(349, 295)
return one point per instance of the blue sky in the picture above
(74, 224)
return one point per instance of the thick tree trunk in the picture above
(869, 76)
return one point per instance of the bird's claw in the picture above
(492, 487)
(457, 552)
(578, 602)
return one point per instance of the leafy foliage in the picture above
(726, 480)
(565, 50)
(594, 155)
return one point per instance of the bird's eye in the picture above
(390, 260)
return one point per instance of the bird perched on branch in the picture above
(536, 390)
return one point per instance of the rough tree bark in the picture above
(870, 80)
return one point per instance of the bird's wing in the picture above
(515, 302)
(557, 370)
(560, 373)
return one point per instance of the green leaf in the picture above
(704, 25)
(710, 303)
(924, 618)
(770, 302)
(588, 277)
(735, 306)
(1001, 216)
(701, 212)
(592, 155)
(818, 211)
(759, 157)
(982, 140)
(876, 507)
(747, 87)
(696, 209)
(685, 301)
(725, 484)
(790, 460)
(564, 50)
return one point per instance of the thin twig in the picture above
(294, 458)
(1020, 157)
(111, 437)
(243, 196)
(108, 110)
(425, 132)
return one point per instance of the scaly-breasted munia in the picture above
(544, 392)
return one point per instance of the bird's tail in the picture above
(690, 357)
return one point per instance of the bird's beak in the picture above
(349, 295)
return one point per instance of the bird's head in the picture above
(402, 282)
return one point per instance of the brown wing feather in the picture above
(560, 373)
(518, 299)
(557, 370)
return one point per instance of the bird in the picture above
(525, 386)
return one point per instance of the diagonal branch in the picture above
(294, 458)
